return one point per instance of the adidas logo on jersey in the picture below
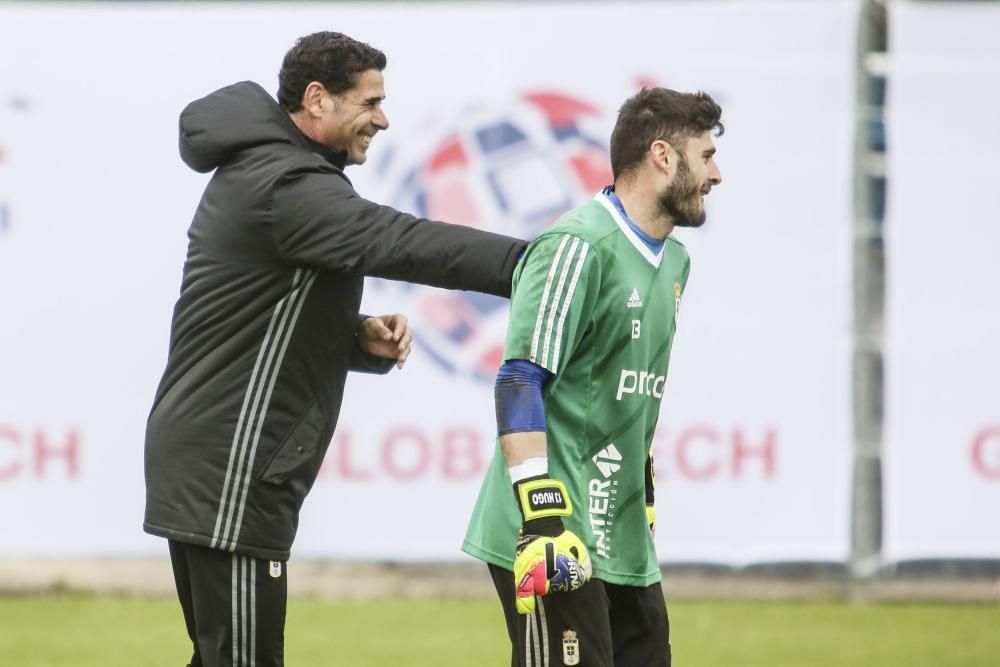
(633, 300)
(607, 460)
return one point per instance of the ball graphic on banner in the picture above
(513, 169)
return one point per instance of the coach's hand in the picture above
(387, 336)
(548, 558)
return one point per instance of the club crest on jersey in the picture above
(677, 300)
(633, 300)
(571, 648)
(275, 569)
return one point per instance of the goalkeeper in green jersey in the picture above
(593, 315)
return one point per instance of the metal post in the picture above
(869, 296)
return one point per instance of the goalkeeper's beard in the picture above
(681, 201)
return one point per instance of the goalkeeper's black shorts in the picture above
(600, 625)
(234, 606)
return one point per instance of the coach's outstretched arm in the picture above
(320, 221)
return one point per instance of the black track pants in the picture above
(600, 625)
(234, 606)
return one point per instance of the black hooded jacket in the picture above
(264, 331)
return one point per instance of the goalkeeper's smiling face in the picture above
(351, 119)
(683, 199)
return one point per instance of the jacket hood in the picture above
(229, 120)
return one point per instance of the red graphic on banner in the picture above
(707, 454)
(408, 454)
(4, 209)
(38, 454)
(697, 454)
(986, 453)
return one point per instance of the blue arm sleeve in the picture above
(518, 396)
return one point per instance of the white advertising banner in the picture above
(943, 301)
(501, 115)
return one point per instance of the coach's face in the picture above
(351, 119)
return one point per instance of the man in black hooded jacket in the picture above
(267, 326)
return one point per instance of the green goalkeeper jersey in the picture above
(596, 307)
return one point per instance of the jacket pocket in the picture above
(297, 450)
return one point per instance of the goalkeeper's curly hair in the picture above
(659, 113)
(331, 58)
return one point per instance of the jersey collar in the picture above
(633, 238)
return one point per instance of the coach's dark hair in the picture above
(659, 113)
(331, 58)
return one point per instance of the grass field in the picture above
(81, 631)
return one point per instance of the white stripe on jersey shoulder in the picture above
(633, 238)
(566, 306)
(555, 305)
(561, 280)
(545, 299)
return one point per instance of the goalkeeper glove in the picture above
(548, 558)
(650, 492)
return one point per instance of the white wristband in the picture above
(533, 467)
